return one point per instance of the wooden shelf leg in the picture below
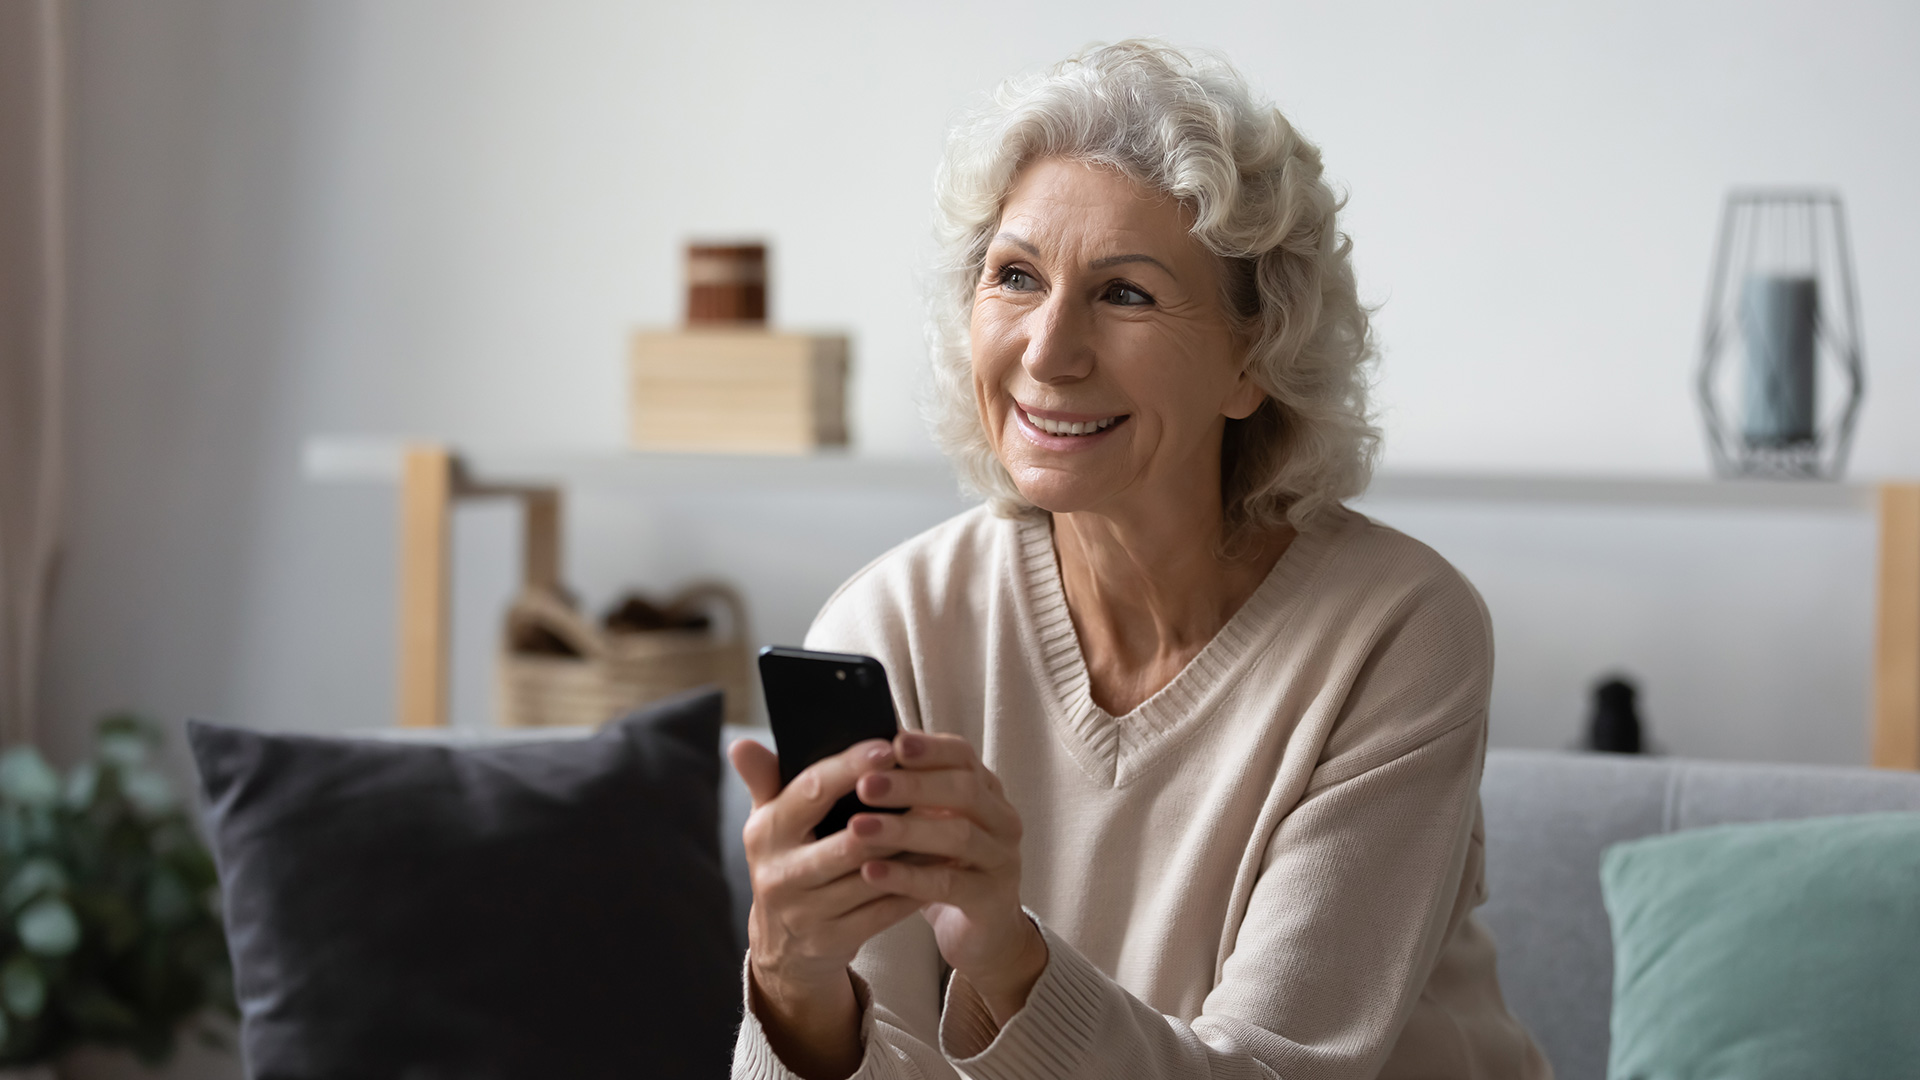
(1896, 681)
(540, 546)
(426, 497)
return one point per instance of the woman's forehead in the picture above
(1057, 204)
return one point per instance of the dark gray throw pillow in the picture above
(540, 909)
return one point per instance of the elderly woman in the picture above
(1190, 753)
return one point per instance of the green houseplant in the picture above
(111, 933)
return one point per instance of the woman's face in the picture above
(1104, 364)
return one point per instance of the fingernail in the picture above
(878, 785)
(912, 745)
(866, 826)
(879, 869)
(880, 752)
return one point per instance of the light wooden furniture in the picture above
(426, 490)
(740, 390)
(537, 690)
(431, 481)
(1896, 680)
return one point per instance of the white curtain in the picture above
(32, 331)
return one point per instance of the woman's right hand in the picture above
(812, 910)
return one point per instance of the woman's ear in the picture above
(1245, 398)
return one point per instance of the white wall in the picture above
(440, 218)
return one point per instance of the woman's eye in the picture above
(1126, 295)
(1014, 279)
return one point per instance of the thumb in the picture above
(758, 767)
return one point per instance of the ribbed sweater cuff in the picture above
(1051, 1037)
(753, 1056)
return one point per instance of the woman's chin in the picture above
(1058, 491)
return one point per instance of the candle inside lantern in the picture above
(1777, 313)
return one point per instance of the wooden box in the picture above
(737, 390)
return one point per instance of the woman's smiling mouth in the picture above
(1061, 427)
(1053, 428)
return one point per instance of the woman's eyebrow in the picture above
(1116, 260)
(1020, 242)
(1098, 264)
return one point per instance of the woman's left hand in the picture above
(967, 876)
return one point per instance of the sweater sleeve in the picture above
(896, 978)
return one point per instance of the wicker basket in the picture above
(613, 672)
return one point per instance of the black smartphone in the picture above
(820, 703)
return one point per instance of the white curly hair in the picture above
(1192, 128)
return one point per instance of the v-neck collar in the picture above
(1113, 750)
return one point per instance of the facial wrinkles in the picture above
(1159, 364)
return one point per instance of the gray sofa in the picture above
(1549, 816)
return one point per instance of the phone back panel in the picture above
(819, 704)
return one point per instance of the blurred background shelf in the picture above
(347, 460)
(1639, 491)
(330, 459)
(433, 478)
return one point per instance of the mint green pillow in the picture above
(1784, 949)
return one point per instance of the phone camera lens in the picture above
(862, 676)
(841, 674)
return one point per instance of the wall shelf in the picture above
(1640, 491)
(349, 460)
(431, 478)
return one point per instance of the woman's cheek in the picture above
(994, 349)
(988, 398)
(990, 377)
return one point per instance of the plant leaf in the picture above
(124, 740)
(148, 791)
(35, 878)
(26, 778)
(38, 825)
(83, 783)
(13, 832)
(23, 987)
(48, 928)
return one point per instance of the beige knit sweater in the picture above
(1266, 870)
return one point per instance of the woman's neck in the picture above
(1148, 591)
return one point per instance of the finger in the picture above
(810, 866)
(800, 905)
(801, 804)
(758, 768)
(875, 915)
(952, 837)
(928, 750)
(964, 791)
(942, 883)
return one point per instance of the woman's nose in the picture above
(1059, 342)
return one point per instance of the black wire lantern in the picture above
(1780, 378)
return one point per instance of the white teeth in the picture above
(1062, 427)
